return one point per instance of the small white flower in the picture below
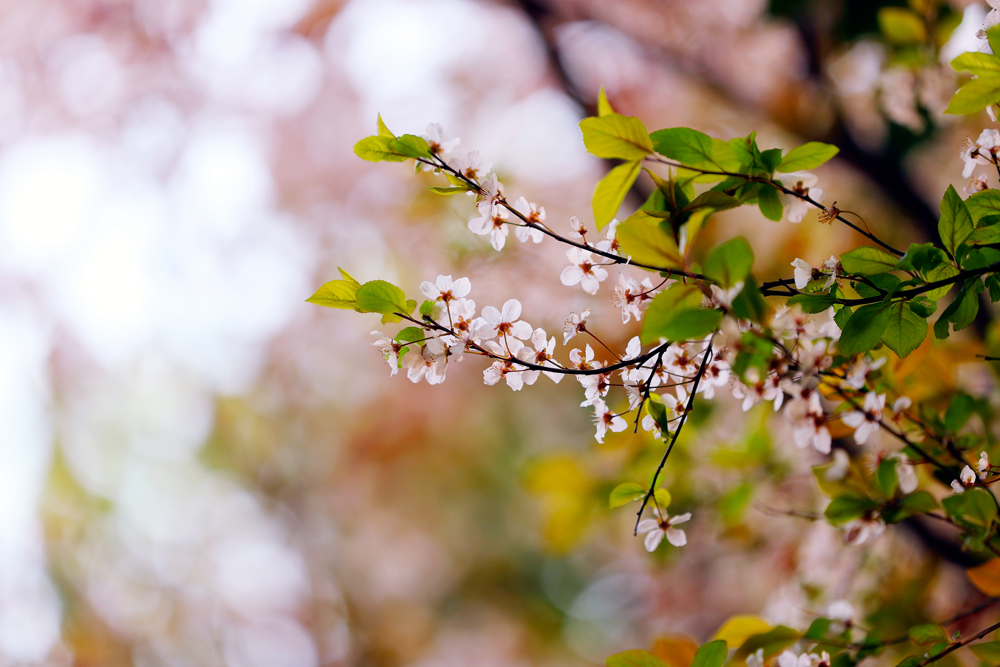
(490, 196)
(983, 465)
(390, 351)
(505, 321)
(866, 528)
(968, 476)
(977, 184)
(606, 420)
(610, 241)
(429, 362)
(445, 289)
(663, 526)
(473, 166)
(957, 487)
(434, 135)
(582, 270)
(533, 214)
(905, 472)
(983, 151)
(756, 659)
(858, 372)
(802, 184)
(840, 467)
(577, 228)
(866, 421)
(803, 273)
(494, 224)
(631, 296)
(575, 324)
(540, 354)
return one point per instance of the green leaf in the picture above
(977, 63)
(886, 478)
(692, 324)
(411, 145)
(448, 191)
(427, 308)
(987, 652)
(666, 307)
(695, 149)
(955, 225)
(409, 334)
(980, 258)
(712, 654)
(378, 149)
(603, 106)
(985, 235)
(769, 202)
(976, 506)
(983, 204)
(920, 502)
(942, 272)
(614, 136)
(642, 238)
(749, 304)
(813, 303)
(921, 257)
(340, 294)
(626, 493)
(864, 329)
(383, 131)
(993, 38)
(730, 262)
(975, 95)
(611, 190)
(993, 285)
(379, 296)
(962, 311)
(807, 156)
(902, 27)
(927, 633)
(866, 261)
(958, 413)
(818, 629)
(905, 331)
(847, 508)
(718, 201)
(773, 642)
(635, 658)
(910, 661)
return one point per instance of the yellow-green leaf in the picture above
(383, 131)
(626, 493)
(642, 238)
(611, 190)
(603, 106)
(977, 63)
(901, 26)
(616, 137)
(738, 629)
(975, 95)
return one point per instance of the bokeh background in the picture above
(199, 468)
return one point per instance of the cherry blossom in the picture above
(434, 135)
(429, 361)
(473, 166)
(983, 465)
(977, 184)
(493, 223)
(866, 421)
(982, 151)
(801, 183)
(631, 296)
(444, 289)
(663, 526)
(490, 196)
(540, 354)
(390, 351)
(533, 214)
(575, 323)
(867, 527)
(582, 361)
(809, 423)
(610, 241)
(505, 368)
(857, 374)
(905, 472)
(968, 476)
(582, 270)
(505, 321)
(804, 273)
(577, 228)
(606, 420)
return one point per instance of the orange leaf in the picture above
(986, 577)
(675, 650)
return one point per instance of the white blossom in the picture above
(606, 420)
(445, 289)
(505, 321)
(494, 223)
(865, 528)
(390, 351)
(867, 420)
(982, 151)
(582, 270)
(803, 184)
(472, 167)
(663, 526)
(533, 214)
(575, 323)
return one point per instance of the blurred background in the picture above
(199, 468)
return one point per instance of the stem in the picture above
(677, 432)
